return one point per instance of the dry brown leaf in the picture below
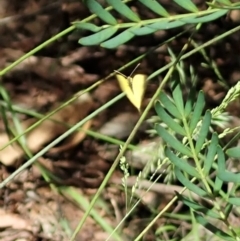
(52, 69)
(213, 91)
(9, 220)
(120, 126)
(47, 130)
(73, 140)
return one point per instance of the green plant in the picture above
(138, 27)
(196, 153)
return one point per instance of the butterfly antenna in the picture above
(134, 70)
(127, 77)
(120, 73)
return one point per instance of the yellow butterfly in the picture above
(134, 88)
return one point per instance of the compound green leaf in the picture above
(123, 9)
(216, 231)
(198, 109)
(212, 151)
(233, 152)
(165, 100)
(87, 26)
(155, 7)
(103, 14)
(206, 122)
(166, 24)
(119, 39)
(166, 118)
(187, 4)
(189, 185)
(99, 37)
(198, 208)
(172, 141)
(206, 18)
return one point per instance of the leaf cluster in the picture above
(199, 160)
(107, 34)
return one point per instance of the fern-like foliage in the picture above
(196, 153)
(106, 35)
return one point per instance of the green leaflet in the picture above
(182, 164)
(206, 18)
(233, 152)
(189, 103)
(143, 30)
(234, 200)
(172, 141)
(102, 13)
(155, 7)
(196, 115)
(178, 100)
(98, 37)
(206, 122)
(212, 151)
(198, 207)
(187, 4)
(227, 2)
(166, 24)
(217, 185)
(123, 9)
(228, 208)
(119, 39)
(87, 26)
(208, 162)
(166, 118)
(169, 104)
(222, 173)
(165, 228)
(227, 176)
(189, 185)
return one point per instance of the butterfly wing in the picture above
(139, 82)
(125, 85)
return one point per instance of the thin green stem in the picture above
(121, 153)
(49, 41)
(35, 50)
(195, 157)
(59, 139)
(139, 237)
(136, 60)
(163, 19)
(193, 51)
(212, 64)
